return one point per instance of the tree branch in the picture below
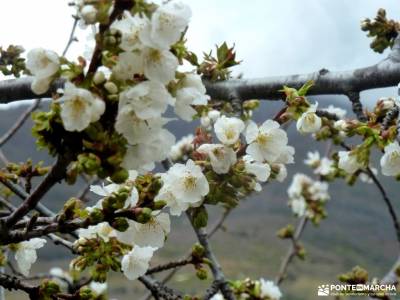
(218, 224)
(386, 73)
(17, 190)
(158, 290)
(215, 266)
(15, 283)
(292, 251)
(72, 37)
(56, 174)
(170, 265)
(18, 124)
(388, 202)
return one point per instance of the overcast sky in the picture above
(271, 37)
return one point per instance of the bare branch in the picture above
(388, 202)
(292, 251)
(386, 73)
(216, 269)
(170, 265)
(15, 283)
(218, 225)
(56, 174)
(158, 290)
(18, 124)
(356, 104)
(17, 190)
(72, 37)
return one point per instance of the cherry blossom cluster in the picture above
(308, 197)
(261, 289)
(379, 130)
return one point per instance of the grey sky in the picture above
(272, 37)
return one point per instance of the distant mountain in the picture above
(358, 230)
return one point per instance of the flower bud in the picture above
(214, 115)
(200, 217)
(387, 103)
(205, 121)
(159, 204)
(251, 104)
(99, 77)
(202, 274)
(120, 224)
(286, 232)
(111, 87)
(198, 250)
(120, 176)
(341, 125)
(89, 13)
(96, 216)
(144, 215)
(85, 293)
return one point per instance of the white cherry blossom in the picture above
(43, 65)
(142, 156)
(270, 289)
(282, 172)
(102, 230)
(182, 147)
(135, 129)
(153, 233)
(313, 159)
(324, 167)
(299, 206)
(175, 206)
(217, 297)
(390, 161)
(339, 112)
(228, 130)
(267, 142)
(214, 115)
(99, 288)
(348, 162)
(186, 182)
(148, 99)
(166, 25)
(297, 186)
(25, 255)
(128, 64)
(318, 191)
(130, 28)
(79, 108)
(309, 122)
(192, 92)
(221, 157)
(136, 262)
(159, 65)
(262, 171)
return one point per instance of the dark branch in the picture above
(292, 251)
(216, 269)
(18, 124)
(56, 174)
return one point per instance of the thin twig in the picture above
(216, 269)
(292, 250)
(18, 124)
(56, 174)
(170, 265)
(388, 202)
(72, 37)
(218, 224)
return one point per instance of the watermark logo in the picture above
(323, 290)
(357, 290)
